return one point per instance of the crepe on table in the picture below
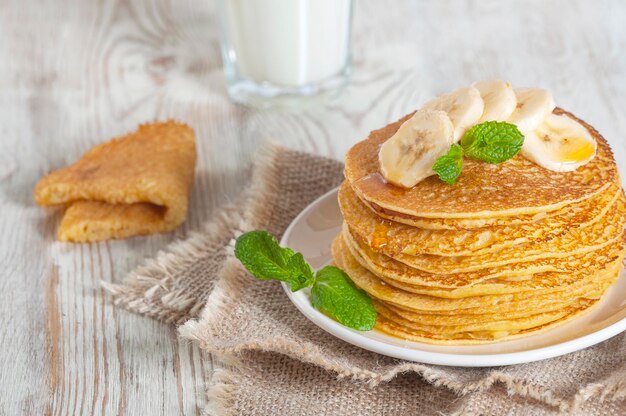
(132, 185)
(510, 250)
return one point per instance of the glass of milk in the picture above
(285, 52)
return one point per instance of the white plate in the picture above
(312, 232)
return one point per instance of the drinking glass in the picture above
(285, 53)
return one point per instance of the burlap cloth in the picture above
(275, 362)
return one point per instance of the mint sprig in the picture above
(448, 167)
(332, 291)
(491, 141)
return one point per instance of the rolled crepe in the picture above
(132, 185)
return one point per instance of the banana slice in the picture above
(560, 144)
(464, 107)
(407, 157)
(499, 99)
(533, 106)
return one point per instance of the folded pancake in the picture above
(401, 238)
(132, 185)
(515, 187)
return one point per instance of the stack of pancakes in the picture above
(509, 250)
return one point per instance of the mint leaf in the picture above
(260, 253)
(302, 275)
(492, 141)
(335, 295)
(448, 167)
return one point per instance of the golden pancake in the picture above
(131, 185)
(576, 241)
(97, 221)
(386, 267)
(542, 282)
(401, 238)
(462, 223)
(389, 327)
(505, 324)
(591, 287)
(469, 319)
(515, 187)
(468, 314)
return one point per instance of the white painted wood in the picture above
(75, 73)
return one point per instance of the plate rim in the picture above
(429, 357)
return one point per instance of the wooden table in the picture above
(75, 73)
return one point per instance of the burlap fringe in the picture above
(149, 289)
(223, 387)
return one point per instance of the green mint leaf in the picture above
(335, 295)
(448, 167)
(492, 141)
(302, 275)
(260, 253)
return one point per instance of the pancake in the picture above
(592, 286)
(384, 325)
(606, 230)
(504, 324)
(469, 319)
(468, 314)
(462, 223)
(132, 185)
(402, 238)
(541, 282)
(531, 313)
(393, 270)
(515, 187)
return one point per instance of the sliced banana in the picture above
(464, 107)
(533, 106)
(499, 99)
(560, 144)
(408, 156)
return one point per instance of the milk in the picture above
(286, 43)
